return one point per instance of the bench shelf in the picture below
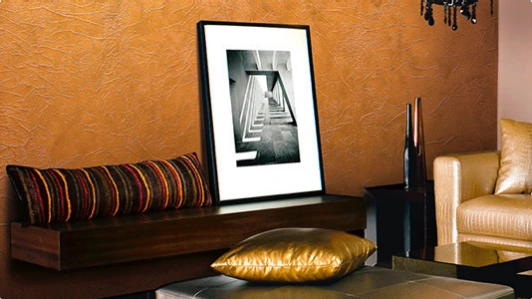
(130, 238)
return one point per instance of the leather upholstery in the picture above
(505, 216)
(466, 207)
(515, 173)
(458, 178)
(366, 283)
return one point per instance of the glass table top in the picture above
(471, 253)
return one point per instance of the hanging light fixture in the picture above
(468, 8)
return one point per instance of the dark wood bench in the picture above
(162, 234)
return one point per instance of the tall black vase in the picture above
(419, 143)
(410, 167)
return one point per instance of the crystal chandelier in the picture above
(468, 8)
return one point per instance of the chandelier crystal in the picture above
(468, 8)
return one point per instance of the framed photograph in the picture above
(260, 111)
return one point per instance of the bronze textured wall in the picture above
(92, 82)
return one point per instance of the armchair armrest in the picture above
(458, 178)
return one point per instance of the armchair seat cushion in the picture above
(502, 215)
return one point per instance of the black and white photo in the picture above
(259, 110)
(263, 108)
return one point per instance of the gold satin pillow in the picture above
(515, 172)
(295, 255)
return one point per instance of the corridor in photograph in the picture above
(263, 110)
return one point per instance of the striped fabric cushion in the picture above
(59, 195)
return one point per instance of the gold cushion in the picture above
(515, 172)
(295, 255)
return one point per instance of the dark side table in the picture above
(400, 219)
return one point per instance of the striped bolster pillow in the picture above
(58, 195)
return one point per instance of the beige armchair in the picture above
(468, 209)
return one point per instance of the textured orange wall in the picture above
(93, 82)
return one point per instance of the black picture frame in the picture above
(259, 110)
